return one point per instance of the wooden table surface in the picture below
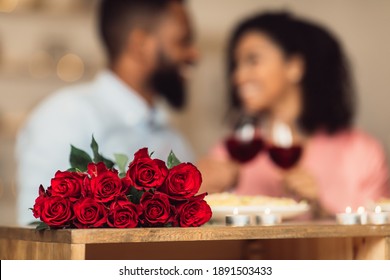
(325, 240)
(205, 233)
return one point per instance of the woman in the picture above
(294, 72)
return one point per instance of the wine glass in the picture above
(284, 151)
(245, 142)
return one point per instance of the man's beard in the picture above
(168, 82)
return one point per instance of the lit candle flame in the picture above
(378, 209)
(361, 210)
(348, 210)
(267, 211)
(235, 211)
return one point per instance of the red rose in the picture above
(123, 214)
(56, 211)
(37, 209)
(183, 181)
(146, 173)
(126, 184)
(104, 185)
(157, 210)
(89, 213)
(67, 184)
(194, 213)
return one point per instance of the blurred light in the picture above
(41, 65)
(8, 6)
(70, 68)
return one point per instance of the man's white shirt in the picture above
(119, 119)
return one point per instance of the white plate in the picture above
(286, 211)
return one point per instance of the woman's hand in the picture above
(218, 175)
(300, 182)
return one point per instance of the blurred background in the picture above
(46, 44)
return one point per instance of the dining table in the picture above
(300, 240)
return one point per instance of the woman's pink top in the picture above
(350, 169)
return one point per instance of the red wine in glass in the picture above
(285, 157)
(284, 151)
(245, 143)
(244, 151)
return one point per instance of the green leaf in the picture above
(97, 157)
(42, 226)
(135, 195)
(34, 223)
(79, 159)
(73, 169)
(95, 150)
(172, 160)
(168, 225)
(121, 161)
(109, 163)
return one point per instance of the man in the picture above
(149, 46)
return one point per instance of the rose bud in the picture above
(89, 213)
(194, 213)
(157, 209)
(183, 181)
(67, 184)
(37, 208)
(145, 173)
(123, 214)
(56, 211)
(104, 185)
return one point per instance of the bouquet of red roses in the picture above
(149, 193)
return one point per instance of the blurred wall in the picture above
(36, 35)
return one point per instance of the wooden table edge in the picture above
(206, 233)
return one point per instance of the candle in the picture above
(268, 218)
(237, 220)
(363, 215)
(378, 217)
(348, 218)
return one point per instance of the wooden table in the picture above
(287, 241)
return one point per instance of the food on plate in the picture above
(231, 199)
(384, 200)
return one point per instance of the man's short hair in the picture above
(118, 17)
